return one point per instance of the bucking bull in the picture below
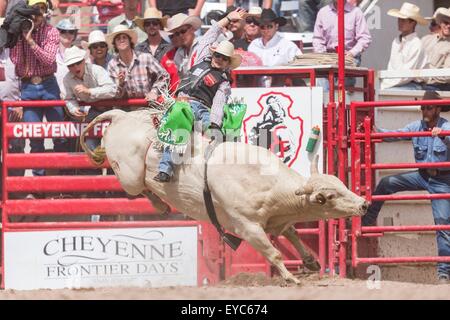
(252, 195)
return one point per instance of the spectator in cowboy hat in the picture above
(406, 51)
(428, 149)
(88, 83)
(437, 47)
(98, 48)
(251, 29)
(127, 19)
(136, 74)
(153, 23)
(236, 26)
(67, 35)
(181, 29)
(207, 86)
(34, 56)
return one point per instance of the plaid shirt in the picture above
(143, 75)
(42, 59)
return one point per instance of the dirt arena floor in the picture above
(251, 287)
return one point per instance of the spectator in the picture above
(127, 19)
(171, 8)
(246, 4)
(437, 48)
(34, 57)
(435, 180)
(307, 13)
(6, 5)
(88, 83)
(357, 36)
(406, 51)
(251, 29)
(182, 31)
(136, 74)
(67, 35)
(98, 49)
(152, 23)
(208, 86)
(272, 47)
(235, 27)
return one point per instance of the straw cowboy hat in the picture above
(442, 13)
(121, 29)
(268, 16)
(181, 19)
(408, 11)
(433, 95)
(96, 36)
(227, 49)
(73, 55)
(255, 11)
(151, 13)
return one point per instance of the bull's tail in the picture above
(98, 155)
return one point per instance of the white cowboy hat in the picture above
(181, 19)
(73, 55)
(408, 11)
(121, 29)
(435, 13)
(227, 49)
(151, 13)
(96, 36)
(255, 11)
(440, 13)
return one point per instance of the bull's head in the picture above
(329, 197)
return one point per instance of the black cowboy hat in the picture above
(268, 16)
(433, 95)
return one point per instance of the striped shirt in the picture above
(144, 74)
(40, 61)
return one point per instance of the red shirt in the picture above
(40, 61)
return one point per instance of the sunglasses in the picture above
(221, 56)
(176, 34)
(75, 64)
(101, 45)
(68, 31)
(428, 108)
(250, 20)
(446, 22)
(148, 23)
(267, 26)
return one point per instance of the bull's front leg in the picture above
(162, 207)
(256, 236)
(308, 259)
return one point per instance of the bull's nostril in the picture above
(365, 206)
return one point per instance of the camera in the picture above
(26, 25)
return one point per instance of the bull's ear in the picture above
(314, 165)
(304, 190)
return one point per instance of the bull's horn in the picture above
(314, 164)
(303, 190)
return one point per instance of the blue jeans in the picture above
(201, 113)
(47, 90)
(412, 181)
(307, 13)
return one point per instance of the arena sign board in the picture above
(281, 119)
(148, 257)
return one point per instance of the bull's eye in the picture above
(331, 197)
(320, 198)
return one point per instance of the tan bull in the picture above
(252, 195)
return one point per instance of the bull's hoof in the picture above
(311, 264)
(162, 177)
(292, 280)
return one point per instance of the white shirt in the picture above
(96, 79)
(61, 71)
(406, 54)
(277, 52)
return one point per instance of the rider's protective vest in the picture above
(203, 82)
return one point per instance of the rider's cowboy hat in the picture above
(227, 49)
(151, 13)
(121, 29)
(408, 11)
(181, 19)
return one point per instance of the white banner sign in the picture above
(150, 257)
(281, 119)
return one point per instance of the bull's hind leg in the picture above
(308, 259)
(162, 207)
(256, 236)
